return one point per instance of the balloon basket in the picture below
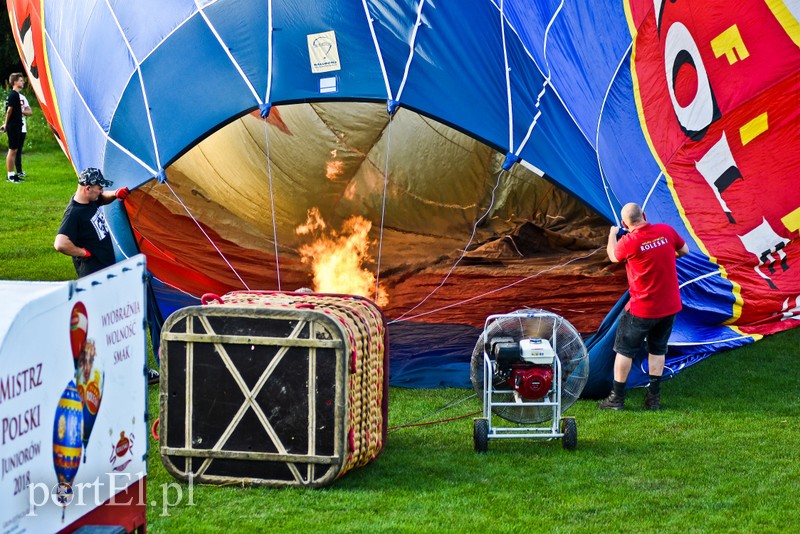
(273, 389)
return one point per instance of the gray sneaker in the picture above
(612, 402)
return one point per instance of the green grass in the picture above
(32, 211)
(721, 457)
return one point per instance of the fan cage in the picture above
(567, 344)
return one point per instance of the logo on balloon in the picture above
(323, 52)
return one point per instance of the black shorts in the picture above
(632, 331)
(15, 138)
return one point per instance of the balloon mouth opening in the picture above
(338, 198)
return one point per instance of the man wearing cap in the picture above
(83, 233)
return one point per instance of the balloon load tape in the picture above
(314, 365)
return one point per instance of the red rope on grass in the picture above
(393, 428)
(153, 429)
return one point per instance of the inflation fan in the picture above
(529, 367)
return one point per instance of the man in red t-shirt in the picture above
(651, 251)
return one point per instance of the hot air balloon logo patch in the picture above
(323, 52)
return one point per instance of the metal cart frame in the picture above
(559, 427)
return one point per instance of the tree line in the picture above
(9, 56)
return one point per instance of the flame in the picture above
(334, 168)
(337, 258)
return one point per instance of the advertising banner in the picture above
(73, 429)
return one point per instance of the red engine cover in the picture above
(532, 383)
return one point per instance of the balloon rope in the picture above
(270, 35)
(383, 204)
(207, 236)
(496, 290)
(547, 36)
(116, 242)
(101, 130)
(272, 205)
(507, 71)
(176, 288)
(463, 253)
(652, 189)
(371, 23)
(417, 422)
(145, 98)
(438, 422)
(600, 117)
(227, 49)
(411, 49)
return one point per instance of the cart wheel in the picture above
(570, 430)
(480, 434)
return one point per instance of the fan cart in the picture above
(529, 367)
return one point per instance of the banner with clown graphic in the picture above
(73, 412)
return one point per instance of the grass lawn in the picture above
(721, 457)
(32, 212)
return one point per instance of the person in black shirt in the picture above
(83, 233)
(13, 124)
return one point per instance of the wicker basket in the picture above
(273, 388)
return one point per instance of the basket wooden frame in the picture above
(310, 469)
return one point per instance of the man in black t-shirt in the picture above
(83, 233)
(13, 124)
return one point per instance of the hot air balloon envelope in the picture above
(458, 131)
